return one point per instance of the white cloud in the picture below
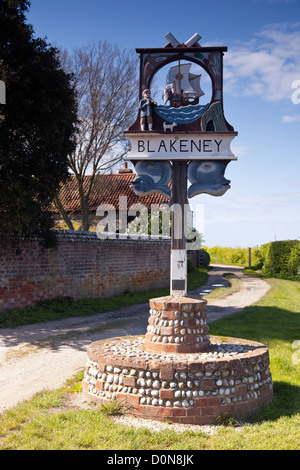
(291, 118)
(267, 65)
(239, 150)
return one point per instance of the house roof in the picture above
(107, 190)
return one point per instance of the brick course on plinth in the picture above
(177, 325)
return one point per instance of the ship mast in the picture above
(179, 77)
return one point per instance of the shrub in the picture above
(294, 261)
(204, 258)
(277, 258)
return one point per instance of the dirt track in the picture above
(43, 356)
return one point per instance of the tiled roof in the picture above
(107, 190)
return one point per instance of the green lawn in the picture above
(45, 422)
(274, 321)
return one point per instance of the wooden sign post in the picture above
(183, 140)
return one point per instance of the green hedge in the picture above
(276, 259)
(282, 259)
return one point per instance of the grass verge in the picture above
(47, 422)
(235, 285)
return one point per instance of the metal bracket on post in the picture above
(178, 287)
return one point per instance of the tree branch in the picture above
(62, 212)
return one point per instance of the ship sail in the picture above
(182, 79)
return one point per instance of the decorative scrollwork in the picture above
(153, 177)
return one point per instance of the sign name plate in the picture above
(181, 147)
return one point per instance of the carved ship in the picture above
(182, 86)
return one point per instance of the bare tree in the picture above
(106, 83)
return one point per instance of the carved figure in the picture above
(145, 107)
(207, 177)
(169, 126)
(153, 177)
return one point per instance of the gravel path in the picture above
(45, 355)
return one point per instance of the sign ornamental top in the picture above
(206, 132)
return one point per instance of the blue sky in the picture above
(262, 62)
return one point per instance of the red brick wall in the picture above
(82, 266)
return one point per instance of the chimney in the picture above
(125, 169)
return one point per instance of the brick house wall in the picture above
(82, 266)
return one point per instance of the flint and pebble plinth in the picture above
(178, 372)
